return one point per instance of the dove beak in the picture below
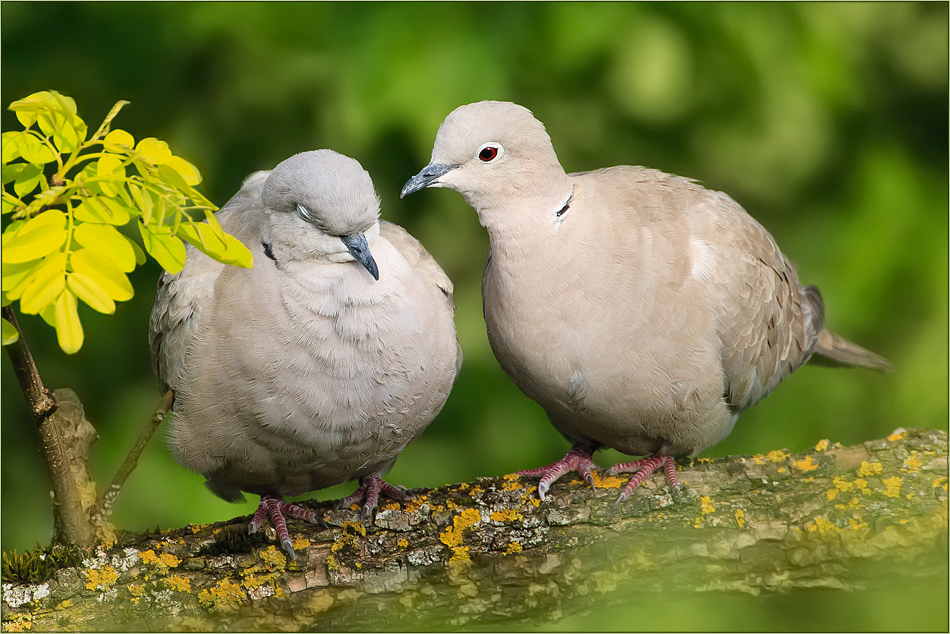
(359, 249)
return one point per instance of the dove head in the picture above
(497, 155)
(321, 204)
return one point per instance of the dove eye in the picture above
(489, 152)
(303, 213)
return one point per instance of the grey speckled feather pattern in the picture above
(639, 309)
(303, 372)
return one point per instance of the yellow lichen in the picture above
(255, 581)
(822, 445)
(226, 592)
(781, 469)
(19, 623)
(452, 536)
(831, 494)
(178, 583)
(805, 465)
(390, 506)
(403, 543)
(169, 560)
(897, 435)
(842, 484)
(862, 485)
(273, 558)
(870, 469)
(704, 460)
(940, 482)
(912, 464)
(906, 520)
(460, 553)
(821, 525)
(357, 527)
(513, 548)
(136, 591)
(740, 518)
(856, 524)
(196, 528)
(809, 479)
(758, 459)
(507, 515)
(777, 455)
(892, 486)
(104, 577)
(64, 604)
(332, 563)
(706, 505)
(301, 543)
(149, 557)
(609, 482)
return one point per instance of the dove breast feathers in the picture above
(629, 300)
(294, 378)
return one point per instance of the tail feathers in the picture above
(837, 351)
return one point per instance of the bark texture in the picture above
(489, 554)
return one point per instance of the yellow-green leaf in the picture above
(119, 141)
(12, 172)
(111, 172)
(44, 288)
(105, 240)
(26, 109)
(13, 274)
(168, 250)
(38, 237)
(10, 150)
(68, 327)
(136, 249)
(33, 149)
(50, 266)
(10, 333)
(186, 170)
(89, 291)
(103, 271)
(102, 210)
(153, 150)
(49, 315)
(203, 237)
(142, 199)
(236, 253)
(27, 179)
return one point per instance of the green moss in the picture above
(40, 564)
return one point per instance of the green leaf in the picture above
(136, 249)
(51, 265)
(12, 172)
(111, 173)
(33, 149)
(10, 333)
(103, 210)
(44, 287)
(89, 291)
(187, 171)
(154, 151)
(103, 271)
(168, 250)
(66, 130)
(13, 274)
(68, 327)
(27, 179)
(28, 108)
(203, 237)
(38, 237)
(10, 150)
(142, 199)
(119, 141)
(105, 240)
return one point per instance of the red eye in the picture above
(488, 153)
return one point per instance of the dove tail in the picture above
(837, 351)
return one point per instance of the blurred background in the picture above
(826, 121)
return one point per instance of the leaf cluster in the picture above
(39, 564)
(66, 196)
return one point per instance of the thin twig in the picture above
(104, 506)
(74, 525)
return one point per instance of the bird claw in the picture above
(289, 548)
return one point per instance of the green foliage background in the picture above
(828, 122)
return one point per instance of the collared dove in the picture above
(319, 364)
(640, 310)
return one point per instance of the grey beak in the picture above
(428, 176)
(359, 249)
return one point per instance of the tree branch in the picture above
(72, 523)
(489, 553)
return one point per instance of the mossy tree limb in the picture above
(474, 554)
